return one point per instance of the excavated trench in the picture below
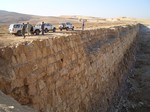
(139, 91)
(136, 93)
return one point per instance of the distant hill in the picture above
(7, 17)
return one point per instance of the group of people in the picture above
(29, 29)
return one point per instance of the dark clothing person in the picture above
(83, 25)
(42, 27)
(23, 30)
(31, 31)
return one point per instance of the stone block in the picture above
(41, 84)
(44, 52)
(17, 83)
(32, 89)
(51, 59)
(50, 69)
(13, 60)
(23, 57)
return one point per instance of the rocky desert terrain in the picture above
(137, 95)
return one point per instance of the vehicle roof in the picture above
(44, 23)
(15, 23)
(65, 22)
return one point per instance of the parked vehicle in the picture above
(47, 27)
(36, 30)
(66, 26)
(16, 29)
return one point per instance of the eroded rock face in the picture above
(79, 72)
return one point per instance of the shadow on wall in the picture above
(144, 28)
(96, 45)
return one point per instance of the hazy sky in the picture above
(98, 8)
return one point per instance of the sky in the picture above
(96, 8)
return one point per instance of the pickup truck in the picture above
(66, 26)
(47, 27)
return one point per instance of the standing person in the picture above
(28, 28)
(83, 24)
(42, 27)
(23, 30)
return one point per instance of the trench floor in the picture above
(138, 98)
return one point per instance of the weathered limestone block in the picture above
(6, 53)
(23, 58)
(32, 89)
(51, 59)
(44, 62)
(17, 83)
(50, 69)
(41, 84)
(31, 79)
(13, 60)
(44, 52)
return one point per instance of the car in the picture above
(16, 29)
(66, 26)
(47, 27)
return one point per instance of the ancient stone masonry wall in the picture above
(79, 72)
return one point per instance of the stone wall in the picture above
(76, 73)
